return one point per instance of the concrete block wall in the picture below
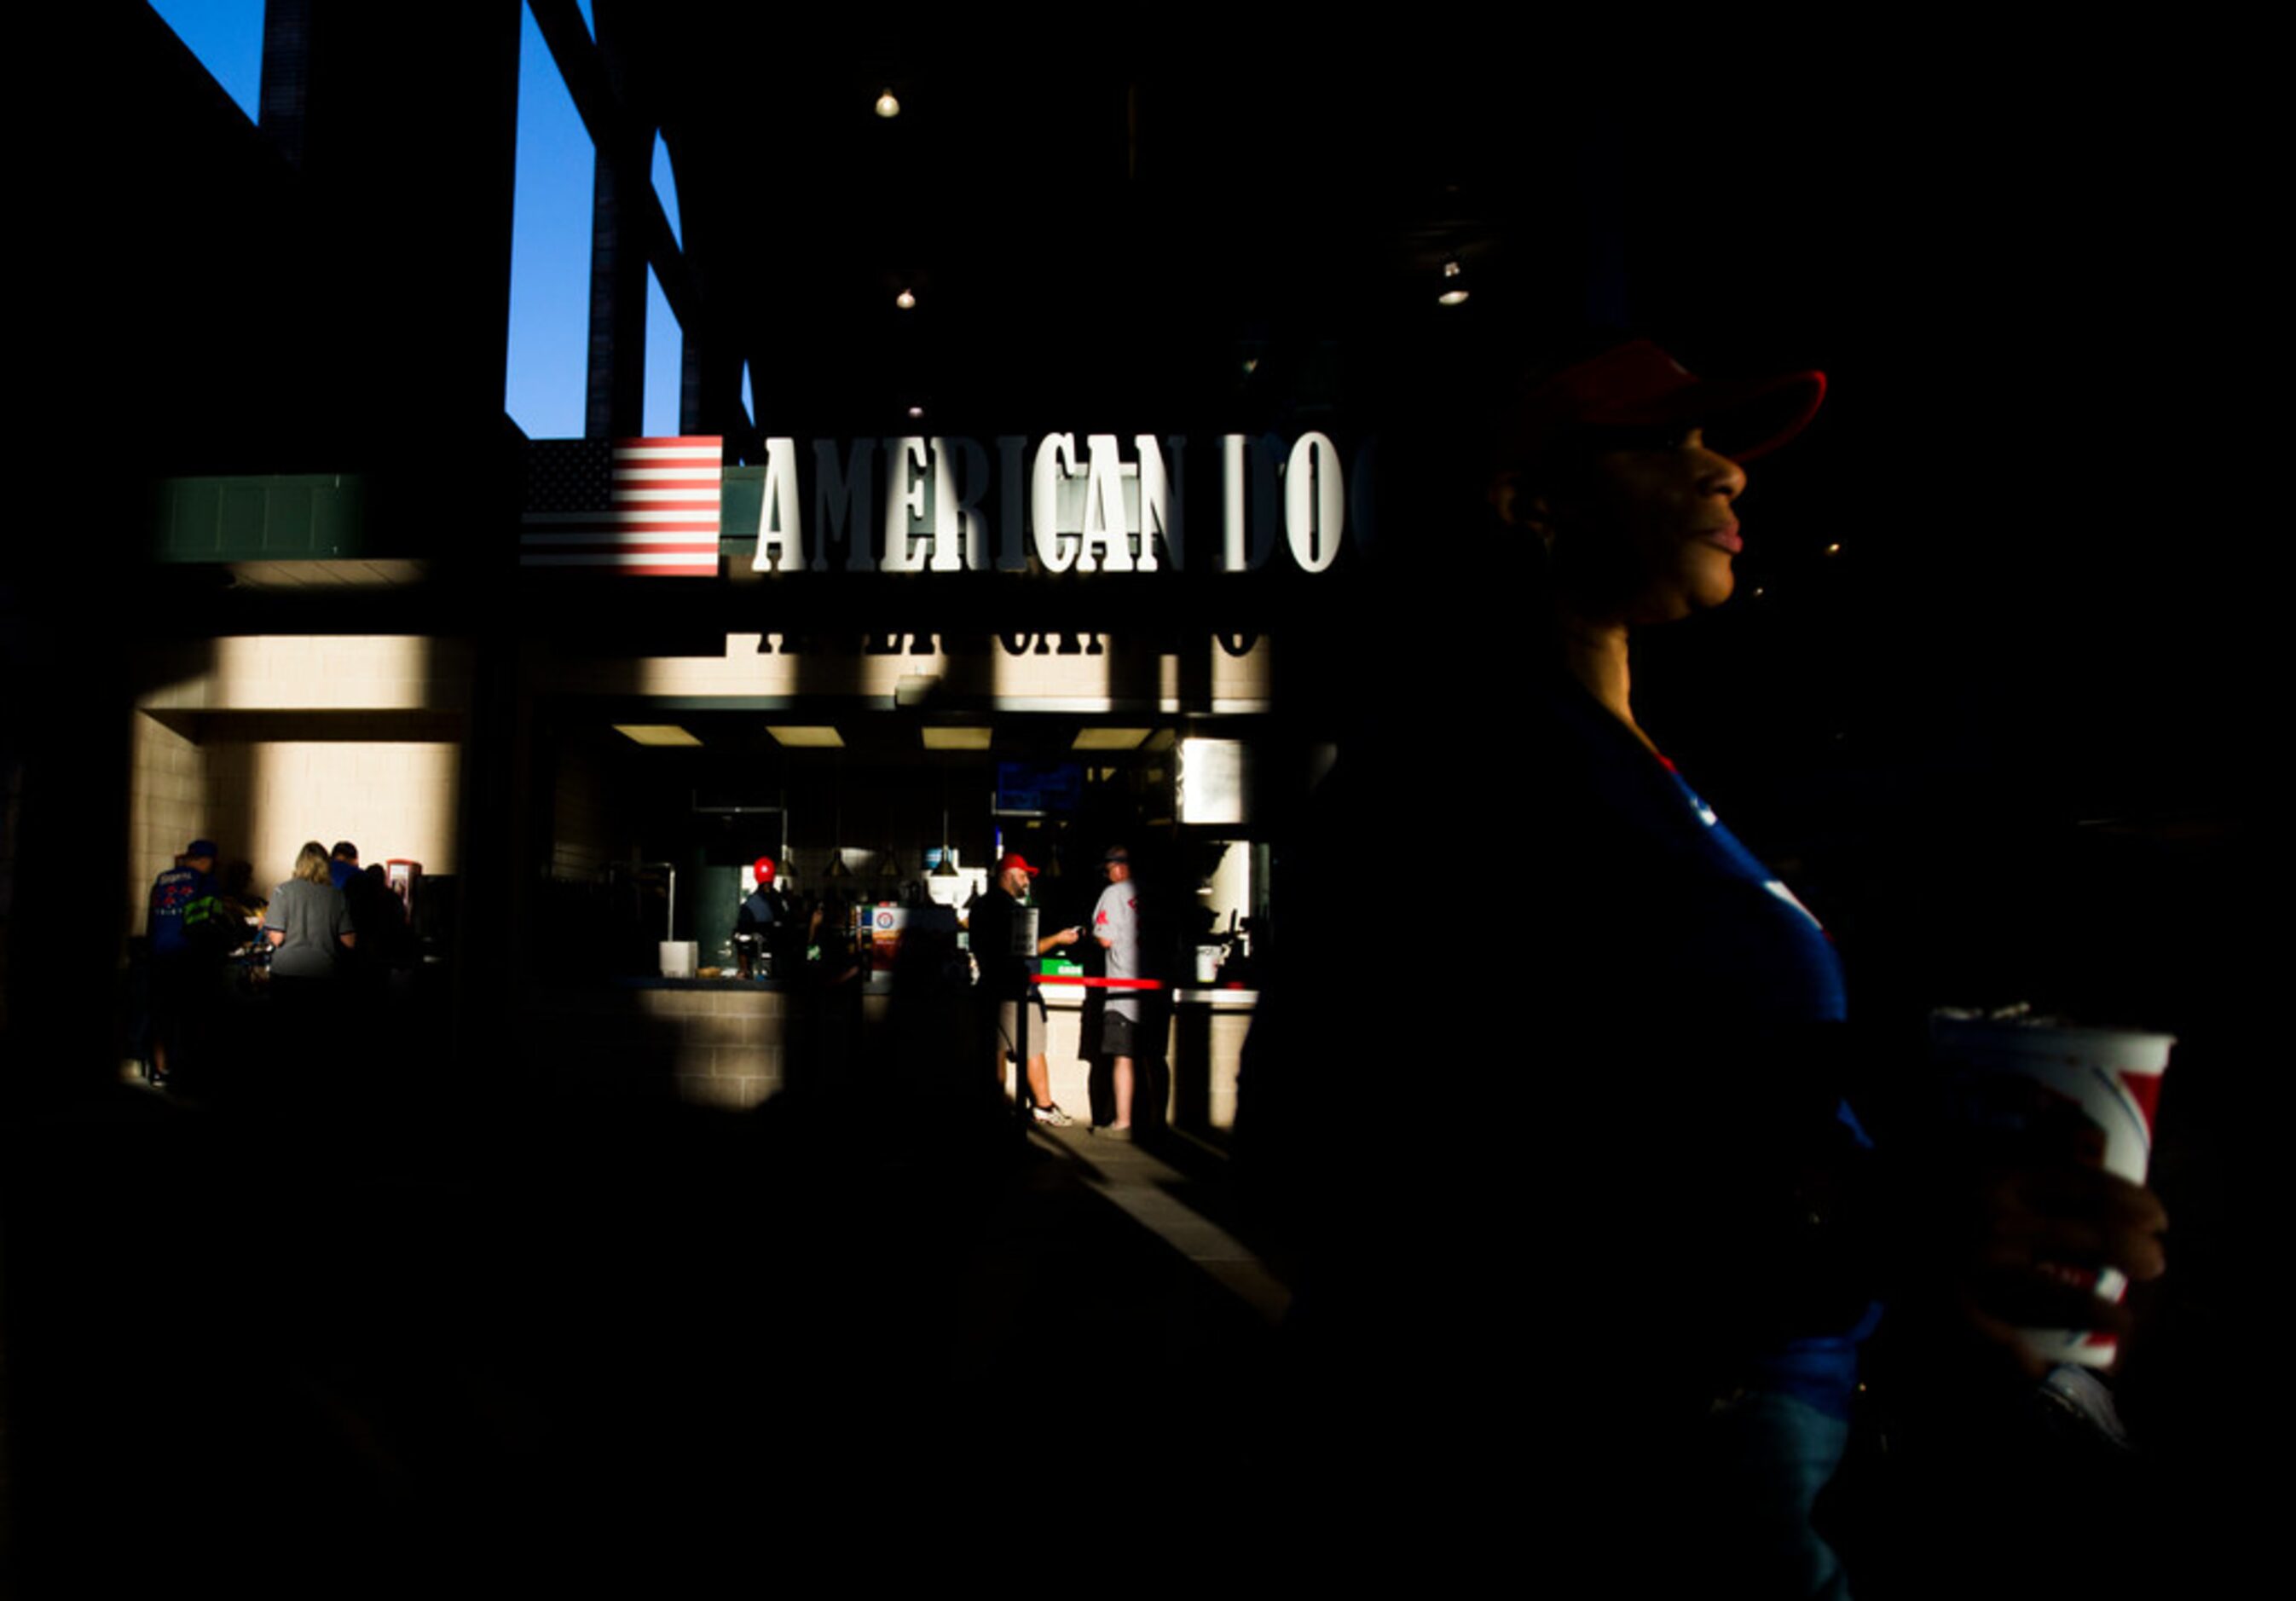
(167, 807)
(1229, 1030)
(260, 744)
(379, 672)
(389, 797)
(579, 820)
(259, 800)
(706, 1046)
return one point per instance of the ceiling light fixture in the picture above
(1109, 739)
(655, 733)
(905, 301)
(887, 106)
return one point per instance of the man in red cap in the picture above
(759, 920)
(1007, 982)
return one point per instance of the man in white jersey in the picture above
(1116, 924)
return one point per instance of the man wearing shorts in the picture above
(1116, 924)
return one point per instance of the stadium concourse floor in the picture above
(338, 1345)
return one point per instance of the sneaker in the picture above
(1111, 1131)
(1052, 1116)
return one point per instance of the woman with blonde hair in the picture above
(307, 922)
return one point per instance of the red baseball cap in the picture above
(1011, 859)
(764, 868)
(1638, 385)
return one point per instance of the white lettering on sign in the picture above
(906, 462)
(1233, 486)
(960, 533)
(1158, 504)
(779, 530)
(838, 495)
(1103, 544)
(1011, 455)
(1314, 502)
(1248, 540)
(1058, 508)
(1055, 463)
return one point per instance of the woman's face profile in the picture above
(1651, 535)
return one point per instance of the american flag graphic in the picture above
(641, 506)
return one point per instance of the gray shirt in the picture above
(314, 917)
(1117, 920)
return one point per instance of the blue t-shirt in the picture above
(1808, 981)
(1819, 1370)
(180, 897)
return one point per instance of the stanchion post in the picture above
(1024, 941)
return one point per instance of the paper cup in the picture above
(2005, 1071)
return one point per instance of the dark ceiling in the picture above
(1992, 241)
(1111, 218)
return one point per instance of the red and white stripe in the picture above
(661, 518)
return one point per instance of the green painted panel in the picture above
(314, 517)
(739, 493)
(718, 896)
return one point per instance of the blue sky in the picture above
(550, 235)
(227, 37)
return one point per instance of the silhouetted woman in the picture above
(310, 926)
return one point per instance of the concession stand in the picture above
(893, 596)
(878, 663)
(908, 656)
